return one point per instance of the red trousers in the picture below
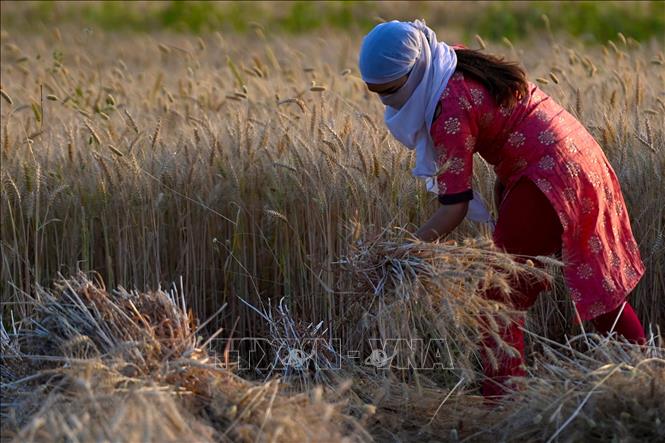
(528, 225)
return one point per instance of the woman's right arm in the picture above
(442, 222)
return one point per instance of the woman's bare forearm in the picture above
(442, 222)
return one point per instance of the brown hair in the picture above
(505, 80)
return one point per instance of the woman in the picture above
(556, 191)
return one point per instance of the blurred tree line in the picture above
(591, 21)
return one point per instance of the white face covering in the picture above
(398, 98)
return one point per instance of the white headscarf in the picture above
(393, 49)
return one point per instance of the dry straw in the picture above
(89, 365)
(430, 293)
(598, 391)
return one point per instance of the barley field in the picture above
(172, 200)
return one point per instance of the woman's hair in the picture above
(505, 80)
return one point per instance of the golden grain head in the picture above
(481, 42)
(6, 96)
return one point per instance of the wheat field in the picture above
(251, 181)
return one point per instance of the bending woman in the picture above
(555, 190)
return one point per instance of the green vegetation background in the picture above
(588, 20)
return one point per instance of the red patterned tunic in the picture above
(540, 140)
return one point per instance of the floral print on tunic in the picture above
(538, 139)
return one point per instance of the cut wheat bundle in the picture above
(591, 388)
(89, 364)
(409, 294)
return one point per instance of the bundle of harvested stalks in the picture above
(308, 353)
(423, 303)
(303, 352)
(90, 365)
(609, 391)
(588, 389)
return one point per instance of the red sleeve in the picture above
(454, 134)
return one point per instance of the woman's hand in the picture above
(444, 220)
